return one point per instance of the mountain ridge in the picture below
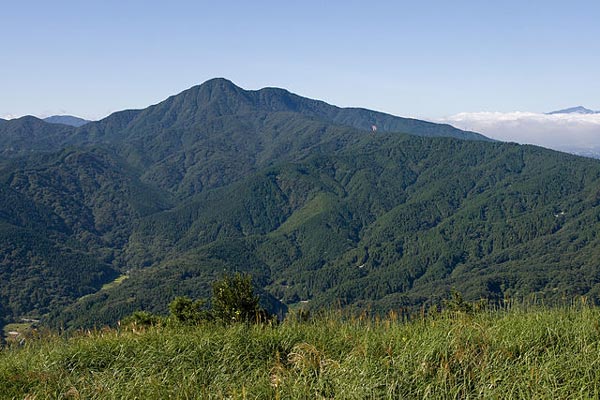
(219, 97)
(237, 126)
(66, 120)
(214, 98)
(29, 133)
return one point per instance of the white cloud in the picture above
(568, 132)
(8, 116)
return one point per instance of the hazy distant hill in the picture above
(304, 195)
(574, 110)
(66, 120)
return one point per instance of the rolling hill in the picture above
(66, 120)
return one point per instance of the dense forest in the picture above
(129, 212)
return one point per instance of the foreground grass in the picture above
(515, 354)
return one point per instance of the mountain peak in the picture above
(215, 87)
(202, 105)
(219, 82)
(574, 110)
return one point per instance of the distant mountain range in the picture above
(574, 110)
(66, 120)
(319, 206)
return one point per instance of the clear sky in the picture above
(422, 59)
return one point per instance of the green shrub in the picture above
(141, 319)
(234, 300)
(187, 311)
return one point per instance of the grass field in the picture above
(516, 354)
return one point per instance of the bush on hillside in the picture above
(234, 300)
(141, 319)
(188, 311)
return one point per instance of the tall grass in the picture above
(519, 353)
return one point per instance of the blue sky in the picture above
(422, 59)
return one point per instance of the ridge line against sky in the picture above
(429, 60)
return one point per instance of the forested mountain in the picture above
(30, 134)
(64, 218)
(393, 222)
(303, 195)
(213, 134)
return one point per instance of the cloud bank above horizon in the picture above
(567, 132)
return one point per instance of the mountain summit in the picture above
(238, 131)
(574, 110)
(221, 98)
(209, 110)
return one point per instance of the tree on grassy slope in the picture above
(234, 300)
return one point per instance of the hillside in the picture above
(405, 219)
(301, 194)
(28, 134)
(41, 266)
(216, 133)
(63, 219)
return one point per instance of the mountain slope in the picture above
(219, 97)
(216, 133)
(95, 193)
(392, 221)
(64, 218)
(41, 266)
(30, 134)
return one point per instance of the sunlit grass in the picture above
(115, 283)
(535, 353)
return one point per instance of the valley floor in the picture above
(520, 353)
